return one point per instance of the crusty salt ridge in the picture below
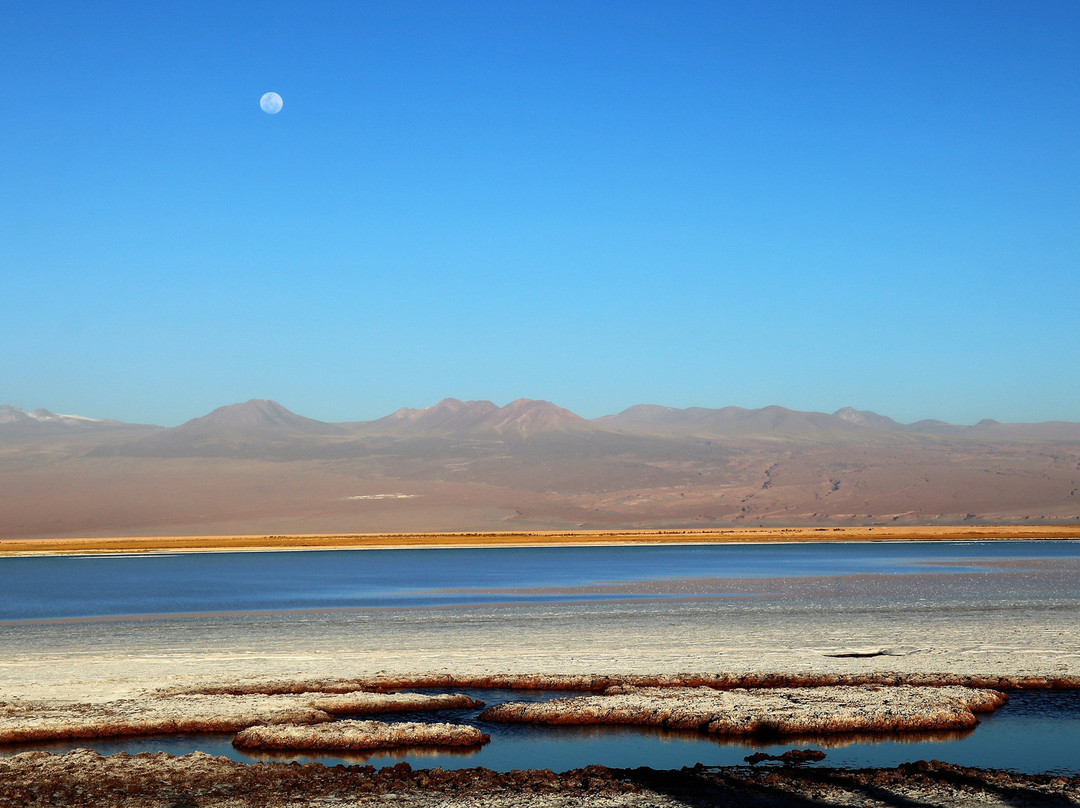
(366, 703)
(358, 735)
(779, 711)
(826, 709)
(599, 683)
(23, 720)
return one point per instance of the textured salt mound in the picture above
(358, 735)
(26, 721)
(779, 711)
(163, 715)
(371, 703)
(598, 683)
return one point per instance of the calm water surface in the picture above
(38, 588)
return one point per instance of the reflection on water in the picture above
(448, 757)
(1035, 732)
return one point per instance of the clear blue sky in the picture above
(812, 204)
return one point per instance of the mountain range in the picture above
(257, 467)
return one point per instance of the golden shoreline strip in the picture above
(359, 541)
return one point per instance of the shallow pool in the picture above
(1036, 732)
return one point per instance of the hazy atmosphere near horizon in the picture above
(600, 204)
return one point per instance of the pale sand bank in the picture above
(594, 537)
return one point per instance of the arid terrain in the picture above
(257, 468)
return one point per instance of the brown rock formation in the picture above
(358, 735)
(777, 711)
(790, 757)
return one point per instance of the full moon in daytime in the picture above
(271, 103)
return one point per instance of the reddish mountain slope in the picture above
(472, 465)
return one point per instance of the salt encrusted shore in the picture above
(939, 635)
(663, 701)
(84, 778)
(158, 714)
(776, 711)
(353, 736)
(597, 683)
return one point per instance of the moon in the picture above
(271, 103)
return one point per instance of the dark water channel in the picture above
(1036, 732)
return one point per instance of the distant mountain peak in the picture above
(42, 418)
(865, 418)
(257, 415)
(520, 418)
(527, 416)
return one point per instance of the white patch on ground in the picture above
(383, 496)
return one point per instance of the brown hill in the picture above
(255, 428)
(256, 416)
(521, 419)
(256, 467)
(768, 423)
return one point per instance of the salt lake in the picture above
(101, 623)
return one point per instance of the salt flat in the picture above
(104, 659)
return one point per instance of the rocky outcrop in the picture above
(358, 735)
(792, 757)
(777, 711)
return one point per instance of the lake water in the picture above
(36, 588)
(321, 603)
